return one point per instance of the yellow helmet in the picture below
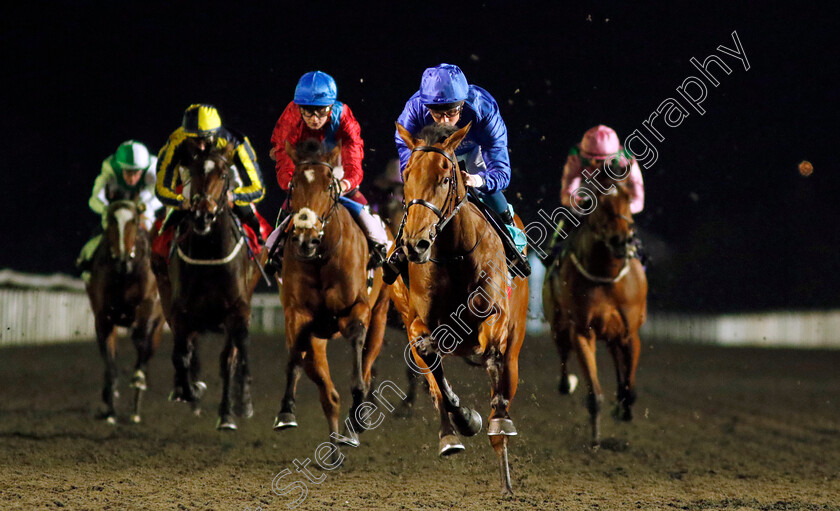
(201, 120)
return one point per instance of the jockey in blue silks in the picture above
(445, 97)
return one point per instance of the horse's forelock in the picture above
(436, 133)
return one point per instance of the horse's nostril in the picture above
(422, 245)
(615, 241)
(315, 242)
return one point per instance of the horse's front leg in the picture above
(584, 344)
(184, 359)
(449, 441)
(146, 338)
(625, 355)
(466, 420)
(298, 341)
(240, 336)
(106, 336)
(354, 328)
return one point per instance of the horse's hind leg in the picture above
(106, 336)
(353, 329)
(585, 347)
(568, 382)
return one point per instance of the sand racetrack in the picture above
(715, 429)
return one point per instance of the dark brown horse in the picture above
(325, 291)
(460, 300)
(599, 291)
(208, 287)
(122, 292)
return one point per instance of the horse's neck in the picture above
(595, 257)
(462, 232)
(221, 238)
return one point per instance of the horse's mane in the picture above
(436, 133)
(310, 149)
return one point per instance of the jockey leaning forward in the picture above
(316, 113)
(598, 145)
(202, 123)
(445, 97)
(128, 174)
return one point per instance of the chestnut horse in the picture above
(460, 300)
(208, 285)
(122, 292)
(599, 291)
(325, 291)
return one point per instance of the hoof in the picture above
(199, 388)
(111, 420)
(449, 445)
(225, 424)
(135, 418)
(501, 427)
(138, 381)
(569, 386)
(472, 425)
(348, 440)
(285, 421)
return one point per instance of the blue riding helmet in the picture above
(443, 83)
(316, 88)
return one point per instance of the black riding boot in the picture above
(378, 254)
(275, 253)
(248, 217)
(395, 266)
(517, 259)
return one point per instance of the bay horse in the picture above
(325, 291)
(208, 285)
(460, 300)
(599, 291)
(122, 292)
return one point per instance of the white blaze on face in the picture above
(123, 216)
(305, 219)
(309, 174)
(209, 166)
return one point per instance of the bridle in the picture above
(335, 193)
(195, 200)
(453, 199)
(629, 253)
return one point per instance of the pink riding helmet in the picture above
(599, 143)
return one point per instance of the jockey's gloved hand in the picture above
(473, 180)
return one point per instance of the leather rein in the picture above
(453, 198)
(335, 193)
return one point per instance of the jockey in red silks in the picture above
(316, 113)
(598, 145)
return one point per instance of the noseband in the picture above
(452, 196)
(335, 194)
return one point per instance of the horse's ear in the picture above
(452, 142)
(290, 150)
(333, 156)
(141, 207)
(406, 136)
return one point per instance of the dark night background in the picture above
(729, 221)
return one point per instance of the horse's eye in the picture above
(446, 180)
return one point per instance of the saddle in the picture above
(517, 263)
